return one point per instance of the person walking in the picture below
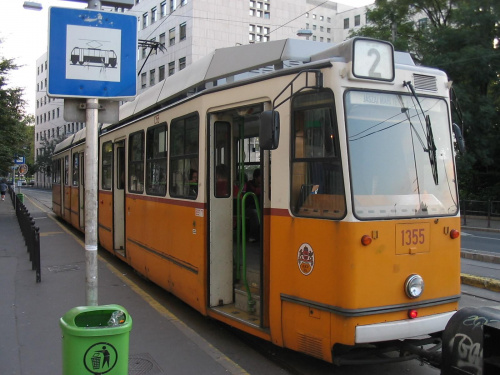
(3, 189)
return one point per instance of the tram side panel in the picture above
(105, 208)
(166, 243)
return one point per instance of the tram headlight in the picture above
(414, 286)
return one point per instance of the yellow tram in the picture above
(357, 206)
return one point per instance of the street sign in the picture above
(19, 160)
(23, 169)
(92, 54)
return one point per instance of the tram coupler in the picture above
(471, 342)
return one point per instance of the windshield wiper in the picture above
(431, 146)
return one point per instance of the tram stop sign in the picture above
(23, 169)
(92, 54)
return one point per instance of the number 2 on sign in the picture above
(412, 237)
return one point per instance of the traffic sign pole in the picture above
(91, 172)
(76, 38)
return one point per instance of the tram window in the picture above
(156, 160)
(76, 169)
(136, 163)
(107, 165)
(56, 171)
(222, 159)
(317, 182)
(66, 170)
(184, 142)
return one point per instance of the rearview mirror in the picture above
(269, 132)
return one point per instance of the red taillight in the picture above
(366, 240)
(412, 314)
(454, 234)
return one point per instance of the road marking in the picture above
(219, 357)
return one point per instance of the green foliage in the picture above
(15, 136)
(458, 37)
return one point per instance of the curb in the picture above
(481, 257)
(480, 282)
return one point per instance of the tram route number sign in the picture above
(91, 54)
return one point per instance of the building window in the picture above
(162, 39)
(329, 20)
(171, 68)
(152, 77)
(136, 163)
(145, 17)
(156, 160)
(182, 63)
(154, 14)
(163, 9)
(321, 18)
(161, 73)
(171, 36)
(182, 31)
(357, 20)
(183, 2)
(346, 23)
(144, 52)
(143, 80)
(184, 135)
(314, 27)
(172, 5)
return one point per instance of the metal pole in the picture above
(91, 163)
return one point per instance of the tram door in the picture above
(221, 214)
(236, 246)
(119, 197)
(81, 191)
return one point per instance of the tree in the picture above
(460, 37)
(46, 150)
(13, 120)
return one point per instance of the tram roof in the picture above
(231, 63)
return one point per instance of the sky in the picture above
(23, 35)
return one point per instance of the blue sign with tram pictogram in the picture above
(92, 54)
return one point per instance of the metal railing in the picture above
(480, 213)
(31, 233)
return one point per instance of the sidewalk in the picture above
(30, 341)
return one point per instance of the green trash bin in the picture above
(96, 340)
(21, 197)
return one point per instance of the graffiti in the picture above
(477, 321)
(469, 353)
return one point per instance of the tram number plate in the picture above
(412, 238)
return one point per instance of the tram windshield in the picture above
(393, 170)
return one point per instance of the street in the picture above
(252, 354)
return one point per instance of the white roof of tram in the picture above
(226, 63)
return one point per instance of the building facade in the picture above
(188, 30)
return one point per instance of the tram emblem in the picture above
(305, 259)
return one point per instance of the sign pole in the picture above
(91, 193)
(91, 170)
(75, 37)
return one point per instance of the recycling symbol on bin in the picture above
(100, 358)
